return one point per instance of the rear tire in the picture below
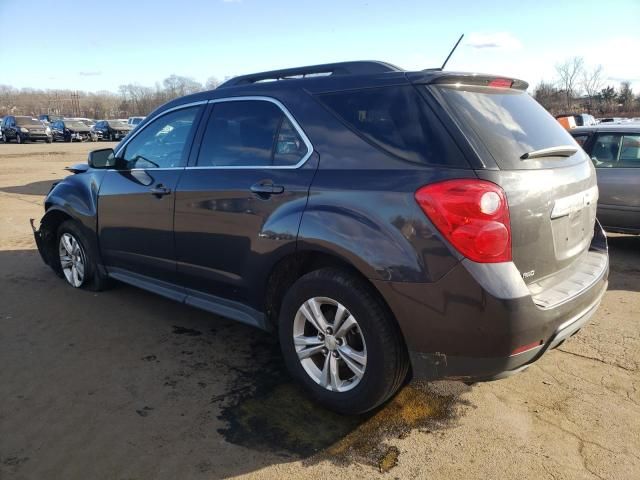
(373, 342)
(70, 233)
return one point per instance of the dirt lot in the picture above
(126, 385)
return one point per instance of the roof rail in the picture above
(343, 68)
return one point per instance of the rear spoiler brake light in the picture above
(480, 81)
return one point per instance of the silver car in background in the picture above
(615, 152)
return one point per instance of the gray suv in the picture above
(384, 224)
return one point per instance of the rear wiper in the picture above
(559, 151)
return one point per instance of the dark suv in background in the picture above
(70, 130)
(23, 129)
(113, 130)
(384, 223)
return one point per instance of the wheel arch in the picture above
(293, 266)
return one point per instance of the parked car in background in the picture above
(572, 120)
(1, 119)
(70, 130)
(381, 222)
(46, 118)
(113, 130)
(615, 152)
(133, 121)
(23, 129)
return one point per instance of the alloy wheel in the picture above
(72, 259)
(329, 344)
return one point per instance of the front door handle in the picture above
(160, 190)
(266, 189)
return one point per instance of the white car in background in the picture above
(134, 121)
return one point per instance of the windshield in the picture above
(135, 121)
(508, 122)
(28, 121)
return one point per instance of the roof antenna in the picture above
(451, 52)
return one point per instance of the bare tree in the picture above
(549, 96)
(591, 83)
(625, 96)
(211, 83)
(569, 73)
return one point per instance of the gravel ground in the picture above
(123, 384)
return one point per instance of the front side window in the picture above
(250, 133)
(606, 148)
(581, 139)
(162, 143)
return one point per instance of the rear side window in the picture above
(250, 133)
(398, 120)
(508, 122)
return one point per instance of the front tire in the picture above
(341, 342)
(77, 259)
(19, 138)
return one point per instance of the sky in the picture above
(100, 45)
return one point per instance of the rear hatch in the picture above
(551, 191)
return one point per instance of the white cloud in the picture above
(493, 40)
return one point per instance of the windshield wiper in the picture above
(559, 151)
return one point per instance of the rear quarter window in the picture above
(398, 120)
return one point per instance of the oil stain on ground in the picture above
(264, 410)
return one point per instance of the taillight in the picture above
(501, 82)
(472, 214)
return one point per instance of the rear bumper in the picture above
(470, 324)
(494, 368)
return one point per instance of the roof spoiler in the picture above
(344, 68)
(468, 79)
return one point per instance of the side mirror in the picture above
(103, 158)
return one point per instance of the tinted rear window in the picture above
(398, 120)
(507, 121)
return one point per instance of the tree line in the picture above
(576, 89)
(579, 88)
(130, 100)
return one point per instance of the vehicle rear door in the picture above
(136, 200)
(239, 206)
(616, 156)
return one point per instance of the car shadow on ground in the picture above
(624, 251)
(186, 381)
(35, 188)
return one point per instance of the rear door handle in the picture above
(160, 190)
(266, 188)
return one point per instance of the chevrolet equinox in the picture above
(385, 224)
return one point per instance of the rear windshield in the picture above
(507, 121)
(398, 120)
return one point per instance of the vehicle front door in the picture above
(10, 129)
(617, 160)
(57, 130)
(136, 200)
(239, 206)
